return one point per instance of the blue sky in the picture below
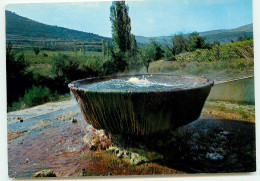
(148, 18)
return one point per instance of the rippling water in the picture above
(142, 83)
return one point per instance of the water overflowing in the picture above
(142, 83)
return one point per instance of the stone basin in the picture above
(141, 104)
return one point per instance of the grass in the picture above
(216, 70)
(219, 63)
(230, 110)
(41, 63)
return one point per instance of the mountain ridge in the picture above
(222, 35)
(23, 27)
(19, 27)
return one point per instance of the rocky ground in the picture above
(58, 142)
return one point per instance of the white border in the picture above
(199, 177)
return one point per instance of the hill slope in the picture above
(18, 27)
(23, 28)
(223, 36)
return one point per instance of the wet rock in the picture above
(225, 133)
(73, 120)
(103, 145)
(221, 137)
(128, 154)
(94, 143)
(137, 159)
(84, 172)
(120, 154)
(195, 135)
(214, 156)
(111, 149)
(45, 173)
(21, 120)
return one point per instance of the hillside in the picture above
(21, 28)
(18, 27)
(223, 36)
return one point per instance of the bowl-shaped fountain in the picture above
(141, 104)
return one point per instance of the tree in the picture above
(103, 47)
(195, 41)
(158, 50)
(36, 50)
(108, 48)
(121, 37)
(18, 79)
(75, 47)
(177, 45)
(83, 49)
(243, 38)
(121, 27)
(150, 53)
(133, 46)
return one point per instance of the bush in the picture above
(36, 50)
(150, 53)
(15, 105)
(109, 67)
(38, 95)
(67, 69)
(18, 79)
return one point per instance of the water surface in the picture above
(144, 83)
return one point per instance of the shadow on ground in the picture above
(204, 146)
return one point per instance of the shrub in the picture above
(15, 105)
(36, 50)
(66, 68)
(109, 67)
(18, 79)
(38, 95)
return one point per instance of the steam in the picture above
(143, 82)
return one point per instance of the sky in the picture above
(148, 18)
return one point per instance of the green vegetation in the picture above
(51, 65)
(220, 62)
(66, 69)
(38, 95)
(229, 109)
(150, 53)
(223, 36)
(124, 48)
(34, 96)
(36, 50)
(121, 27)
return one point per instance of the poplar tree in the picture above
(75, 47)
(103, 47)
(133, 46)
(108, 49)
(121, 26)
(83, 49)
